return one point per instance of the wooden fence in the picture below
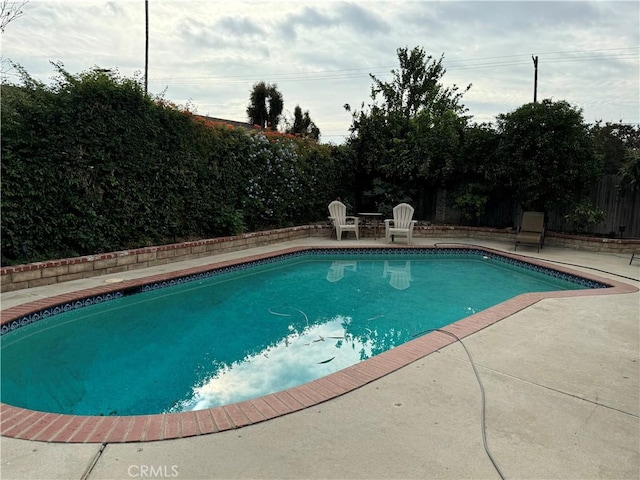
(621, 211)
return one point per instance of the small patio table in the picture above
(373, 219)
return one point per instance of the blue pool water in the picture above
(248, 332)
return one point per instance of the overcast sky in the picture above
(208, 54)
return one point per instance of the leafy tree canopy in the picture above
(408, 137)
(415, 88)
(614, 142)
(302, 125)
(265, 105)
(630, 170)
(546, 153)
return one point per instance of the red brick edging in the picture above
(39, 274)
(26, 424)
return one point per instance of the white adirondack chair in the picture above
(342, 222)
(402, 223)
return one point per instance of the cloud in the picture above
(194, 32)
(320, 54)
(362, 20)
(239, 27)
(345, 19)
(113, 9)
(308, 19)
(299, 358)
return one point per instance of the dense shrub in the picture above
(92, 164)
(547, 156)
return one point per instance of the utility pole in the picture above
(535, 78)
(146, 44)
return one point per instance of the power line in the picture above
(350, 73)
(592, 50)
(345, 74)
(545, 53)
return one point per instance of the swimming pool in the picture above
(337, 271)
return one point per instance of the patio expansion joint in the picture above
(536, 384)
(94, 461)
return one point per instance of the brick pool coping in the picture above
(26, 424)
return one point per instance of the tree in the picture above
(265, 105)
(630, 171)
(546, 155)
(473, 190)
(613, 142)
(302, 125)
(9, 11)
(415, 87)
(408, 139)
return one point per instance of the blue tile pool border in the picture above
(63, 307)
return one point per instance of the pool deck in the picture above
(561, 379)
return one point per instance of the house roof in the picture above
(233, 123)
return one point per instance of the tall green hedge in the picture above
(92, 164)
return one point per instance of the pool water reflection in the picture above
(246, 333)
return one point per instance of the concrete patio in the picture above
(562, 385)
